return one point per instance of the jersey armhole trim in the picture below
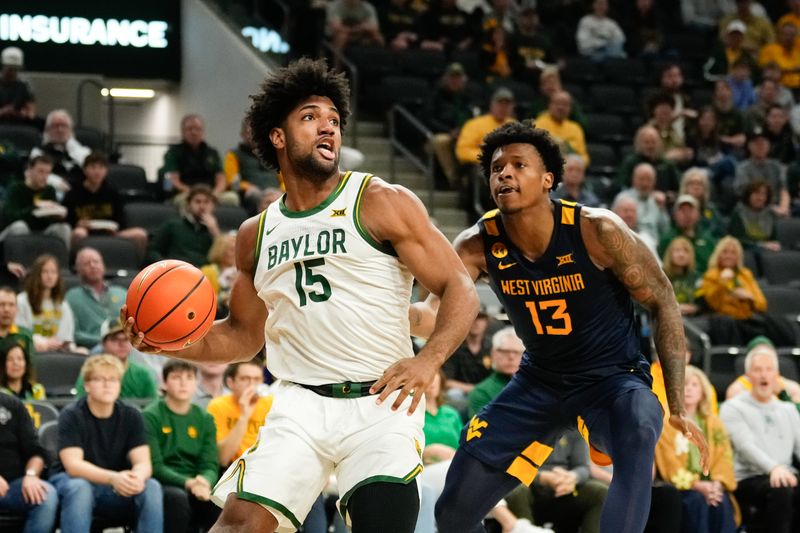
(381, 247)
(262, 221)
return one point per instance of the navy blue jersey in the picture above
(575, 320)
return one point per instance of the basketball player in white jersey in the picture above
(325, 280)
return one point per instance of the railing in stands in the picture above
(399, 113)
(147, 153)
(340, 59)
(698, 337)
(79, 111)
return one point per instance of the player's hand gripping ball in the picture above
(172, 303)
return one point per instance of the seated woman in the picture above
(16, 374)
(708, 503)
(679, 267)
(731, 291)
(43, 309)
(753, 222)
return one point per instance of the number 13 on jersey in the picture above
(559, 313)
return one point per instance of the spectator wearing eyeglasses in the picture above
(104, 458)
(137, 381)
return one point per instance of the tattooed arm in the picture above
(611, 244)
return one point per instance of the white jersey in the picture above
(337, 300)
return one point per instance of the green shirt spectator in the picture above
(181, 445)
(486, 390)
(443, 428)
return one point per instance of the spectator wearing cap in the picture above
(758, 31)
(59, 143)
(532, 43)
(785, 389)
(568, 133)
(686, 220)
(651, 212)
(446, 27)
(730, 49)
(22, 460)
(94, 301)
(137, 381)
(765, 433)
(188, 237)
(759, 167)
(192, 162)
(784, 53)
(572, 187)
(104, 466)
(599, 37)
(16, 97)
(448, 110)
(470, 138)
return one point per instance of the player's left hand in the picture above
(692, 432)
(410, 376)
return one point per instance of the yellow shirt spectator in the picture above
(226, 413)
(501, 110)
(786, 54)
(568, 132)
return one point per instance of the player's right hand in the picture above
(691, 431)
(137, 339)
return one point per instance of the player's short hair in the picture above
(287, 87)
(101, 361)
(176, 365)
(524, 132)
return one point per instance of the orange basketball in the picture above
(173, 303)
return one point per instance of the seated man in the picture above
(94, 301)
(60, 144)
(507, 351)
(94, 201)
(31, 205)
(188, 237)
(137, 381)
(104, 458)
(22, 459)
(765, 433)
(193, 161)
(239, 415)
(183, 445)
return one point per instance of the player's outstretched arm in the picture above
(393, 214)
(611, 244)
(240, 335)
(469, 247)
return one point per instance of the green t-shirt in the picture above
(486, 390)
(137, 382)
(181, 446)
(444, 428)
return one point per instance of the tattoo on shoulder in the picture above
(632, 262)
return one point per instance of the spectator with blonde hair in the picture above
(731, 290)
(708, 504)
(105, 464)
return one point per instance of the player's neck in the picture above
(180, 407)
(531, 228)
(303, 194)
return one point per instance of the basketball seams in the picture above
(142, 297)
(182, 300)
(211, 309)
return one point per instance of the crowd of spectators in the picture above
(705, 169)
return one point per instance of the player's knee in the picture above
(385, 507)
(240, 515)
(449, 519)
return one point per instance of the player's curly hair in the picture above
(523, 132)
(283, 90)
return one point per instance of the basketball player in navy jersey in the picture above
(566, 275)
